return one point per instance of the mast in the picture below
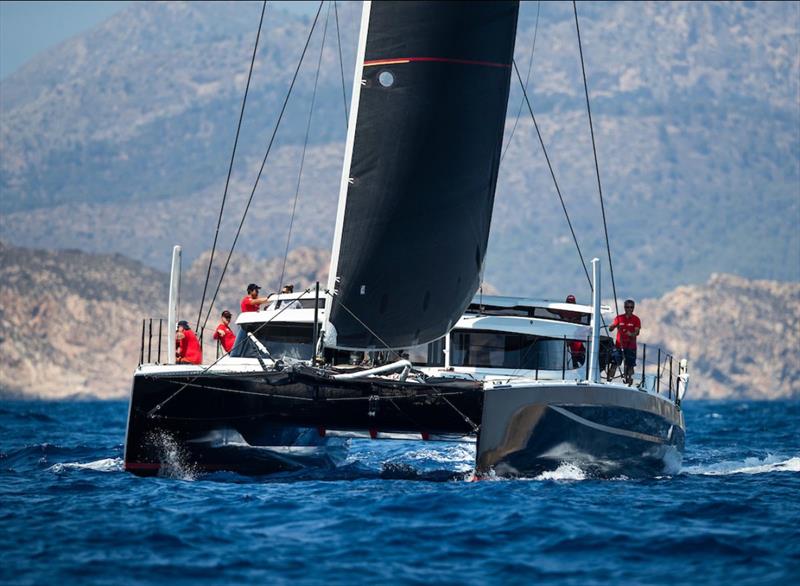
(174, 299)
(329, 332)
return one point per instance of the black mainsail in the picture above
(421, 162)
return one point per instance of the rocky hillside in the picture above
(70, 322)
(741, 337)
(119, 140)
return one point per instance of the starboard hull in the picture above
(604, 430)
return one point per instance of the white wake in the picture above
(764, 465)
(104, 465)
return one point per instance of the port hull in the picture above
(246, 422)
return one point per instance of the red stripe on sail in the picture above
(434, 59)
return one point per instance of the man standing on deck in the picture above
(628, 326)
(224, 334)
(251, 301)
(189, 351)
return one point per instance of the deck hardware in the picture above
(374, 405)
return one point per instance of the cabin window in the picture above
(428, 354)
(298, 303)
(282, 341)
(538, 312)
(482, 349)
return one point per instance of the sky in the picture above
(27, 28)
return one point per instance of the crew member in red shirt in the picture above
(223, 333)
(628, 326)
(251, 301)
(576, 348)
(188, 347)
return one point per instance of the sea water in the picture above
(397, 512)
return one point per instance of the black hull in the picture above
(247, 423)
(606, 431)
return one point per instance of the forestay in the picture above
(430, 96)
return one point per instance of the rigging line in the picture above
(366, 327)
(467, 420)
(305, 146)
(230, 166)
(263, 163)
(594, 150)
(341, 63)
(210, 366)
(527, 80)
(553, 174)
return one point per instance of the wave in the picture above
(27, 416)
(104, 465)
(450, 455)
(42, 455)
(764, 465)
(564, 472)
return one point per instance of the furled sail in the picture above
(421, 162)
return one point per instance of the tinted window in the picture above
(428, 354)
(299, 303)
(282, 341)
(539, 312)
(514, 351)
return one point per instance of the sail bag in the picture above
(429, 105)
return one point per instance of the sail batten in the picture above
(430, 94)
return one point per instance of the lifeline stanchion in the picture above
(670, 377)
(644, 364)
(141, 347)
(658, 373)
(586, 360)
(158, 359)
(150, 341)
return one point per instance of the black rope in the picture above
(210, 366)
(305, 146)
(467, 420)
(553, 175)
(341, 63)
(594, 150)
(230, 166)
(527, 81)
(263, 162)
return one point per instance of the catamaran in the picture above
(398, 344)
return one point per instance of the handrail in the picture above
(148, 336)
(673, 383)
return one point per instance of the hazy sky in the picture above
(26, 28)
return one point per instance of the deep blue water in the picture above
(397, 512)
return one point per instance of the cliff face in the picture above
(741, 337)
(70, 322)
